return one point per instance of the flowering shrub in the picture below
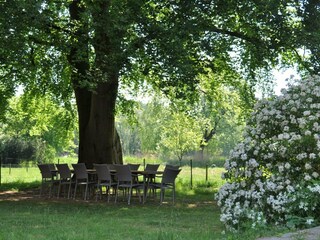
(273, 175)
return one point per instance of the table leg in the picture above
(145, 190)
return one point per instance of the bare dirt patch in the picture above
(19, 195)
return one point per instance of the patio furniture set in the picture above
(106, 180)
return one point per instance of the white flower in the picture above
(309, 221)
(307, 133)
(248, 173)
(307, 177)
(307, 166)
(312, 155)
(287, 165)
(281, 168)
(302, 156)
(306, 113)
(244, 156)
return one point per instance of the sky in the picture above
(281, 77)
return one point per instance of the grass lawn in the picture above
(194, 216)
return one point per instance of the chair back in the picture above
(170, 175)
(80, 170)
(102, 172)
(123, 173)
(152, 167)
(64, 170)
(45, 170)
(111, 166)
(133, 166)
(175, 167)
(52, 166)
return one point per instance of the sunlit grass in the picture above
(49, 220)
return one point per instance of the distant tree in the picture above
(50, 127)
(129, 135)
(180, 135)
(151, 122)
(220, 102)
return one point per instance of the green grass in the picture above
(194, 216)
(50, 220)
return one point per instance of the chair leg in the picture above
(59, 189)
(100, 196)
(85, 193)
(50, 189)
(69, 191)
(139, 195)
(108, 193)
(129, 193)
(116, 197)
(99, 192)
(161, 195)
(173, 194)
(75, 191)
(41, 188)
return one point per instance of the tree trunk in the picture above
(98, 139)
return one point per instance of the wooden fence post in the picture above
(0, 168)
(206, 172)
(191, 173)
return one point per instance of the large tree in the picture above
(92, 48)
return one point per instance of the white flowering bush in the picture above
(273, 175)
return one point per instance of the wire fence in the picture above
(192, 174)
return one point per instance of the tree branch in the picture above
(304, 64)
(242, 36)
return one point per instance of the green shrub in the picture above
(273, 176)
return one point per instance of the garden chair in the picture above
(47, 178)
(104, 180)
(125, 182)
(134, 167)
(112, 170)
(65, 178)
(150, 178)
(82, 179)
(53, 169)
(167, 182)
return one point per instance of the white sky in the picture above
(281, 76)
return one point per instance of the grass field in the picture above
(194, 216)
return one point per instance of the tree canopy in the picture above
(94, 49)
